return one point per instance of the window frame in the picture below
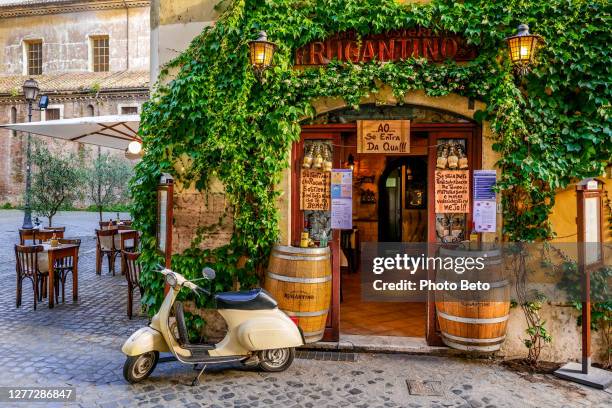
(93, 57)
(43, 113)
(27, 45)
(128, 105)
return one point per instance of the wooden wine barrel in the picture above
(300, 279)
(476, 321)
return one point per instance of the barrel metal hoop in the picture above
(298, 250)
(307, 314)
(499, 284)
(472, 319)
(298, 280)
(458, 346)
(302, 258)
(472, 340)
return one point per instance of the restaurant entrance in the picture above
(393, 201)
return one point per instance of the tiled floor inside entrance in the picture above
(378, 318)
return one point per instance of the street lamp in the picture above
(30, 93)
(261, 52)
(522, 48)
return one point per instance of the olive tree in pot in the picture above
(107, 181)
(56, 180)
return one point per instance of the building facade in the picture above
(90, 57)
(384, 207)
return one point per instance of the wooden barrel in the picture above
(300, 279)
(476, 321)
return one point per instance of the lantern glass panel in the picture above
(521, 48)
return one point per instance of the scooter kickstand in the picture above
(196, 381)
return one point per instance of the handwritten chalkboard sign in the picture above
(315, 190)
(452, 191)
(383, 136)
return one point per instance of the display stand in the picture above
(590, 256)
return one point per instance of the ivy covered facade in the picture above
(217, 129)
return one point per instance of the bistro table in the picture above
(52, 255)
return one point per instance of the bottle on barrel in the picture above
(473, 239)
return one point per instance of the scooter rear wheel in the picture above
(138, 368)
(276, 360)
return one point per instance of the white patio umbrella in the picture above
(115, 131)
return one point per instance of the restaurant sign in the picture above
(383, 136)
(315, 190)
(394, 45)
(452, 191)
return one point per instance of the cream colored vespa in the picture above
(259, 334)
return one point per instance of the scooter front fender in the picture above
(144, 340)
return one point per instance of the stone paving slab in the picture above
(78, 344)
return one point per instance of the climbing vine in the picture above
(551, 126)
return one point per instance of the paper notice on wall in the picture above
(485, 205)
(342, 199)
(314, 190)
(452, 191)
(484, 181)
(485, 216)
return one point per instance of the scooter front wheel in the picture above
(137, 368)
(276, 360)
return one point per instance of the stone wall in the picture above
(203, 219)
(65, 38)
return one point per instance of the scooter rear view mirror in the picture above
(209, 273)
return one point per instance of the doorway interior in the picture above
(401, 216)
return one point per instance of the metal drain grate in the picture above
(425, 388)
(326, 355)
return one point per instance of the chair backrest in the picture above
(106, 224)
(25, 235)
(105, 239)
(124, 227)
(133, 267)
(126, 222)
(45, 234)
(127, 236)
(26, 257)
(70, 241)
(56, 229)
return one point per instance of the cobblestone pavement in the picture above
(79, 345)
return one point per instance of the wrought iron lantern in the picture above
(30, 90)
(261, 52)
(522, 48)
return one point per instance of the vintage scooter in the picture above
(259, 334)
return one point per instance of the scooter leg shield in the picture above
(144, 340)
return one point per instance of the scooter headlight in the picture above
(171, 280)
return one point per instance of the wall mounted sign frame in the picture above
(165, 194)
(391, 137)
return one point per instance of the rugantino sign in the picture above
(391, 46)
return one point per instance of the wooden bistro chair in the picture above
(133, 277)
(127, 223)
(126, 242)
(26, 257)
(65, 266)
(26, 235)
(105, 246)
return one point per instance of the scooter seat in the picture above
(254, 299)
